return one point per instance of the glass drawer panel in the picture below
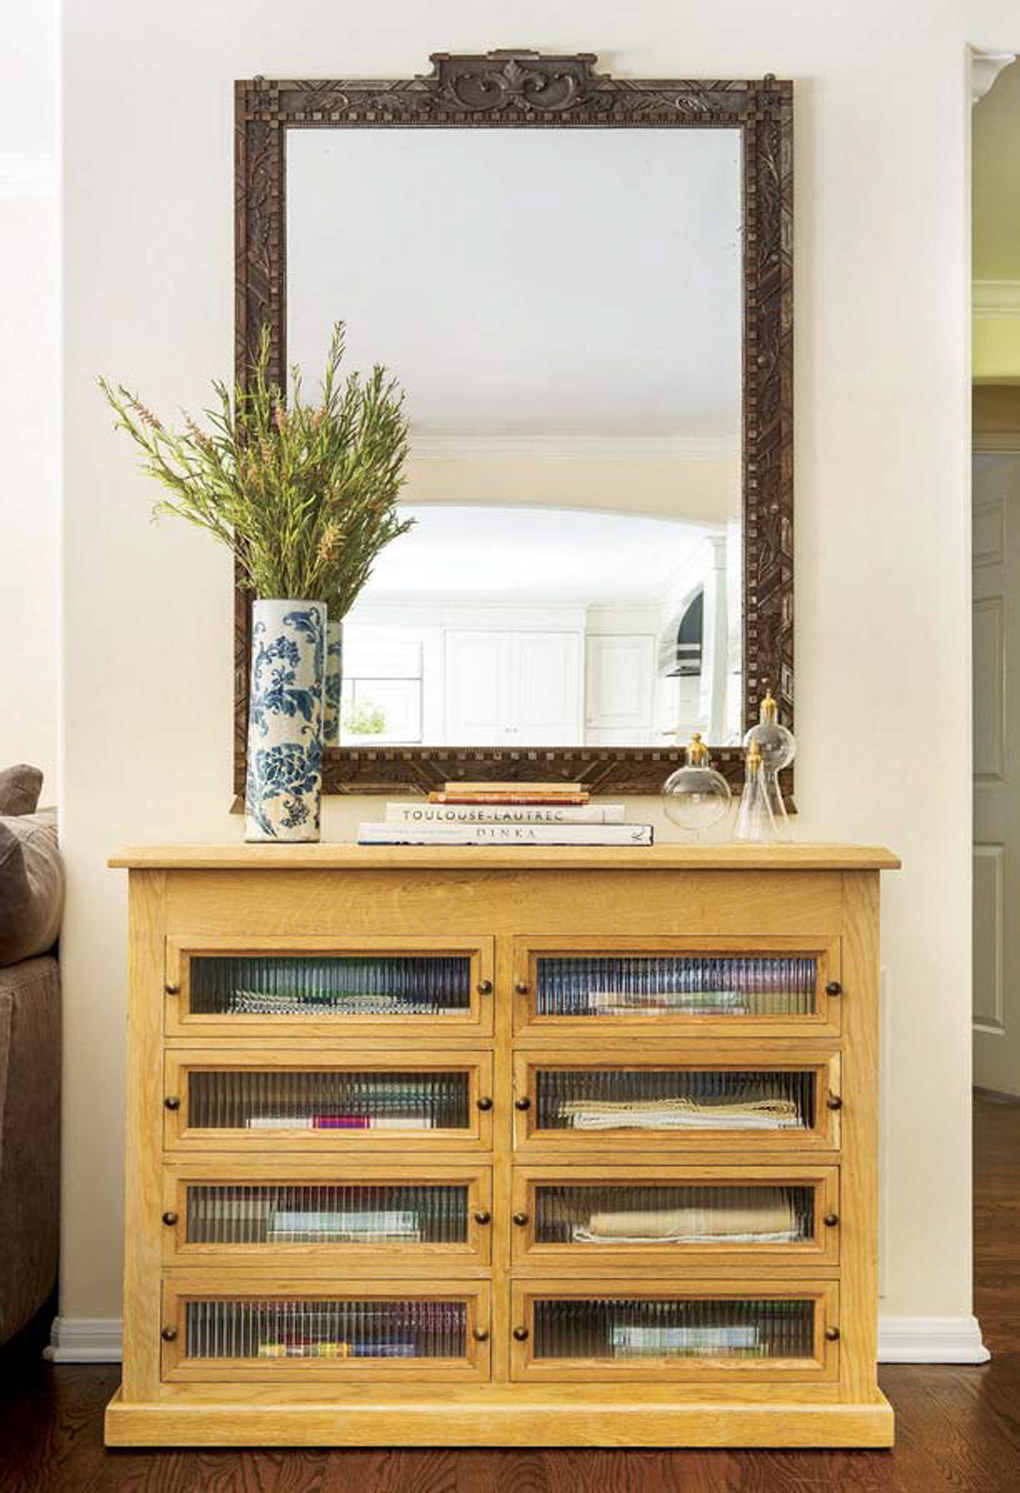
(635, 1328)
(674, 985)
(657, 1099)
(331, 985)
(347, 1100)
(627, 1214)
(326, 1329)
(354, 1214)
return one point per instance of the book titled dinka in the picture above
(504, 834)
(416, 811)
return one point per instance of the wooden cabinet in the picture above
(424, 1142)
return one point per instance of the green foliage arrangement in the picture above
(304, 494)
(365, 720)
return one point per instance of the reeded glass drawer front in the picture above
(356, 1100)
(433, 1332)
(762, 1100)
(657, 1216)
(418, 1220)
(421, 986)
(706, 1330)
(776, 987)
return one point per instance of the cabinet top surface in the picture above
(343, 857)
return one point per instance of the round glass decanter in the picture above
(696, 796)
(776, 744)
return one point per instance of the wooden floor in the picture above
(958, 1429)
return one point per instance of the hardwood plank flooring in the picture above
(958, 1428)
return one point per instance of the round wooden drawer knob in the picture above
(834, 1102)
(484, 987)
(172, 1102)
(831, 1334)
(170, 1218)
(482, 1216)
(834, 988)
(831, 1220)
(523, 1102)
(168, 1334)
(480, 1334)
(484, 1102)
(520, 1219)
(521, 987)
(521, 1334)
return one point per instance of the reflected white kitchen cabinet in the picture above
(620, 681)
(513, 688)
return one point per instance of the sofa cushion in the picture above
(20, 787)
(31, 885)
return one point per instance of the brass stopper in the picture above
(697, 752)
(753, 759)
(769, 712)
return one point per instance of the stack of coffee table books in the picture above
(503, 813)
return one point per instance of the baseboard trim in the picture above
(930, 1340)
(84, 1340)
(900, 1340)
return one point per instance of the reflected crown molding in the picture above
(998, 298)
(595, 448)
(985, 67)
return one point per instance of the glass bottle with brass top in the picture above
(695, 797)
(777, 747)
(756, 817)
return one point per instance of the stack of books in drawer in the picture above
(495, 813)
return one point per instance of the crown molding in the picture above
(985, 67)
(998, 298)
(574, 448)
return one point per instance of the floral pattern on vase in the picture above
(283, 789)
(334, 682)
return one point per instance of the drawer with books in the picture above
(739, 1098)
(329, 1100)
(585, 1218)
(421, 987)
(692, 1330)
(711, 987)
(309, 1216)
(370, 1330)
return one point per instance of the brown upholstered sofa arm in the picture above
(29, 1138)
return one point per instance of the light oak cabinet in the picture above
(501, 1147)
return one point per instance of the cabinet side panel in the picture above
(143, 1243)
(859, 1173)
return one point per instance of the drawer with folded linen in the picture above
(758, 1099)
(592, 1218)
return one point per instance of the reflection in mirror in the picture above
(564, 311)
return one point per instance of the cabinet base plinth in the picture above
(583, 1420)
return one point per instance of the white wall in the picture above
(29, 391)
(882, 507)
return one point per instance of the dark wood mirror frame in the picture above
(525, 90)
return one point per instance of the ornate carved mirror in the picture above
(584, 285)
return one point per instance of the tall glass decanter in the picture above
(756, 819)
(777, 748)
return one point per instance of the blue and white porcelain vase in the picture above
(334, 682)
(283, 790)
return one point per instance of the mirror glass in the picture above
(564, 312)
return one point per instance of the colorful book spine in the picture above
(522, 796)
(413, 811)
(505, 834)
